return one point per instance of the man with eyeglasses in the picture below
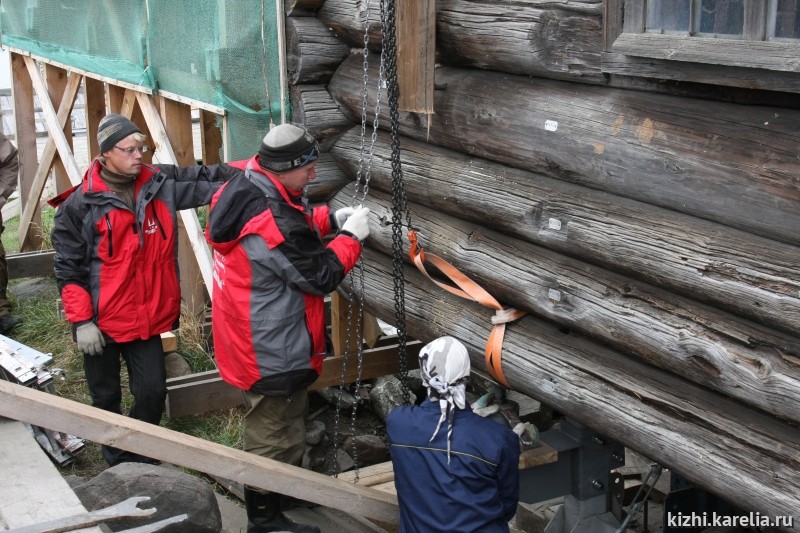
(116, 243)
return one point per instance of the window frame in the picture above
(753, 61)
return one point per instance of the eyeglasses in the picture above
(130, 151)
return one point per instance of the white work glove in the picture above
(90, 339)
(358, 223)
(341, 216)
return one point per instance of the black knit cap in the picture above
(112, 129)
(287, 147)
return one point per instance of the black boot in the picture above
(264, 514)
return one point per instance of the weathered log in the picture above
(560, 40)
(312, 51)
(749, 458)
(313, 107)
(346, 18)
(302, 8)
(330, 179)
(751, 276)
(707, 346)
(728, 163)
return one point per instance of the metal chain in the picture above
(399, 204)
(356, 276)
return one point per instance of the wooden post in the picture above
(95, 108)
(370, 330)
(416, 54)
(114, 97)
(22, 94)
(177, 119)
(210, 137)
(56, 78)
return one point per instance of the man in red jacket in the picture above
(115, 238)
(271, 273)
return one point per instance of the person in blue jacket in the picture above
(454, 470)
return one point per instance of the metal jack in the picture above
(582, 475)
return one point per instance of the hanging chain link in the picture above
(355, 293)
(399, 204)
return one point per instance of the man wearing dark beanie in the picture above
(116, 240)
(271, 273)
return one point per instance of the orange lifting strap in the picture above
(471, 291)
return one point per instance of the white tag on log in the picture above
(550, 125)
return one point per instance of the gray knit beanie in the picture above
(287, 147)
(112, 129)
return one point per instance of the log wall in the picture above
(651, 228)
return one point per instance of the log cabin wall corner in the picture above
(644, 211)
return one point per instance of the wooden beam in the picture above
(213, 109)
(30, 264)
(25, 118)
(30, 211)
(416, 54)
(177, 120)
(381, 476)
(200, 393)
(95, 109)
(189, 216)
(210, 138)
(110, 81)
(57, 78)
(104, 427)
(114, 97)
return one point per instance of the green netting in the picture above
(221, 52)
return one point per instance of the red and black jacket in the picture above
(271, 273)
(119, 267)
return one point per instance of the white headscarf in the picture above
(444, 367)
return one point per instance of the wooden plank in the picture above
(188, 216)
(30, 264)
(541, 455)
(343, 335)
(169, 342)
(771, 55)
(199, 104)
(380, 476)
(33, 490)
(115, 96)
(60, 414)
(210, 138)
(198, 394)
(177, 120)
(111, 81)
(30, 211)
(25, 119)
(416, 54)
(634, 16)
(56, 85)
(664, 69)
(612, 22)
(94, 93)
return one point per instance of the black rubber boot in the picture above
(264, 514)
